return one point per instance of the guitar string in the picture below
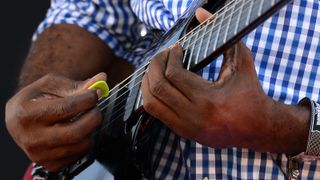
(120, 108)
(144, 71)
(215, 25)
(115, 113)
(121, 114)
(179, 41)
(134, 86)
(199, 26)
(207, 20)
(230, 18)
(195, 46)
(144, 66)
(127, 86)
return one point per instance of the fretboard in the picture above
(201, 45)
(226, 26)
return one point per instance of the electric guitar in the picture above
(125, 139)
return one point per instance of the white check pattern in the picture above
(286, 50)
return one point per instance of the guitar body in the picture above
(124, 142)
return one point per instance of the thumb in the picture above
(237, 59)
(202, 14)
(87, 83)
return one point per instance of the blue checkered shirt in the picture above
(286, 51)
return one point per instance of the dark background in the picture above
(19, 19)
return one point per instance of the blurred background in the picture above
(19, 19)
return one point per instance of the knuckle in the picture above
(12, 119)
(171, 73)
(65, 108)
(21, 116)
(157, 87)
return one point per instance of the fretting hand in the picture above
(232, 111)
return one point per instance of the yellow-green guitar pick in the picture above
(102, 86)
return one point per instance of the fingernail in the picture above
(99, 93)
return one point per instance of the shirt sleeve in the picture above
(112, 21)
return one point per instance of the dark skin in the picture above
(53, 89)
(219, 114)
(232, 111)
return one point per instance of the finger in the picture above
(228, 66)
(60, 109)
(53, 86)
(75, 132)
(187, 82)
(154, 106)
(236, 59)
(202, 14)
(99, 77)
(162, 112)
(160, 87)
(246, 65)
(64, 134)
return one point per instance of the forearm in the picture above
(72, 52)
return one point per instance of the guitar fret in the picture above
(260, 8)
(201, 42)
(254, 10)
(238, 19)
(219, 29)
(243, 16)
(185, 46)
(249, 12)
(237, 15)
(266, 5)
(194, 40)
(228, 24)
(235, 18)
(210, 34)
(222, 34)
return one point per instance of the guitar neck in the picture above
(201, 45)
(236, 19)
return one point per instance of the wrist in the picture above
(292, 125)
